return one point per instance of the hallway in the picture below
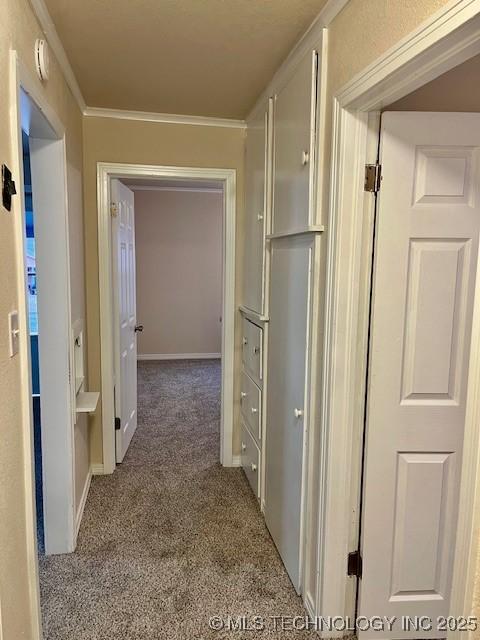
(171, 538)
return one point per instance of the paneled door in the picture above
(423, 290)
(291, 261)
(256, 213)
(125, 316)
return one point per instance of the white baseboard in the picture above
(178, 356)
(97, 469)
(236, 461)
(83, 502)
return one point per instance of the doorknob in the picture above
(138, 327)
(298, 413)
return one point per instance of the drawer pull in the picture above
(254, 410)
(305, 158)
(298, 413)
(253, 466)
(260, 217)
(244, 340)
(244, 446)
(243, 395)
(256, 349)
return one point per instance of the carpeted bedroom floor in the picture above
(171, 538)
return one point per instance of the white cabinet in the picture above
(256, 212)
(293, 262)
(252, 350)
(281, 308)
(251, 461)
(294, 149)
(251, 405)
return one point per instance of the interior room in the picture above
(240, 346)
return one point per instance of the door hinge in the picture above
(118, 424)
(354, 564)
(373, 177)
(113, 209)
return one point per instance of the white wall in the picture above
(179, 271)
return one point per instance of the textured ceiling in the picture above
(195, 57)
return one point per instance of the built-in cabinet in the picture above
(257, 205)
(294, 149)
(284, 253)
(252, 404)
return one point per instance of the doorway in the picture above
(167, 285)
(357, 109)
(47, 299)
(110, 175)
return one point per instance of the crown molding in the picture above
(310, 40)
(166, 118)
(53, 39)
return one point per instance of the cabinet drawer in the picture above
(251, 461)
(251, 403)
(252, 351)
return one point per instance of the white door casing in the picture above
(422, 304)
(125, 316)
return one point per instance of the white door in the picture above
(424, 280)
(291, 262)
(123, 243)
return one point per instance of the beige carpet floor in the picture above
(171, 538)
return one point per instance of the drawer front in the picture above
(251, 461)
(251, 403)
(252, 353)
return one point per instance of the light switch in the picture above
(14, 332)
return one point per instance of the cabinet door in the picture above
(294, 146)
(255, 204)
(292, 260)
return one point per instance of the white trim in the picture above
(141, 187)
(449, 37)
(311, 39)
(83, 502)
(62, 530)
(179, 356)
(97, 469)
(18, 75)
(166, 118)
(432, 49)
(106, 171)
(55, 43)
(236, 461)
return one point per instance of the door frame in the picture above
(59, 318)
(448, 38)
(105, 172)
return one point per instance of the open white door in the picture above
(423, 293)
(123, 244)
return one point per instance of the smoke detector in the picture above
(42, 61)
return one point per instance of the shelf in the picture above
(313, 228)
(252, 315)
(87, 401)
